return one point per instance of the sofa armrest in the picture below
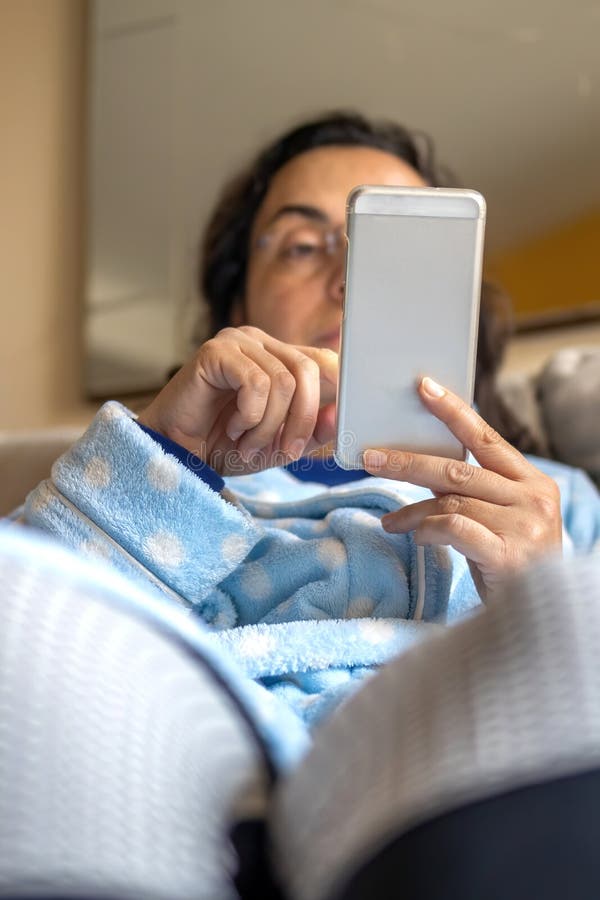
(26, 458)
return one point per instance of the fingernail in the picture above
(296, 448)
(234, 433)
(432, 388)
(374, 459)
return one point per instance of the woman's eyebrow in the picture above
(308, 212)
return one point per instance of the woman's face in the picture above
(295, 278)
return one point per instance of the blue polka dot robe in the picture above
(294, 584)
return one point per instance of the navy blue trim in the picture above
(192, 462)
(324, 471)
(308, 468)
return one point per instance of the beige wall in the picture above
(42, 127)
(42, 85)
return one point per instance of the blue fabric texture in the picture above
(189, 460)
(298, 585)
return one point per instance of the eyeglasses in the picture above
(303, 250)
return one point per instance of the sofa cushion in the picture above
(568, 390)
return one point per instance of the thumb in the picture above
(325, 425)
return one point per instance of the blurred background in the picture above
(121, 119)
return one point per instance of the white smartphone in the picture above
(411, 308)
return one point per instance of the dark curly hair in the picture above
(225, 247)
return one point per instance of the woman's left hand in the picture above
(500, 516)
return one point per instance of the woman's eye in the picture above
(300, 250)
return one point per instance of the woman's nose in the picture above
(337, 275)
(337, 271)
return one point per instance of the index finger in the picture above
(489, 449)
(327, 361)
(441, 475)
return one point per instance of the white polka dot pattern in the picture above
(256, 581)
(319, 525)
(376, 632)
(331, 553)
(97, 473)
(39, 500)
(267, 496)
(165, 549)
(234, 547)
(111, 412)
(362, 517)
(163, 473)
(360, 608)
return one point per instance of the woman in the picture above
(261, 392)
(318, 591)
(297, 555)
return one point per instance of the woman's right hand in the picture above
(247, 402)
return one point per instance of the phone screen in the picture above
(411, 309)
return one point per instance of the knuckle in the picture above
(208, 347)
(208, 355)
(537, 531)
(459, 474)
(547, 502)
(486, 435)
(283, 381)
(258, 382)
(451, 503)
(456, 523)
(252, 332)
(228, 333)
(308, 366)
(545, 495)
(552, 489)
